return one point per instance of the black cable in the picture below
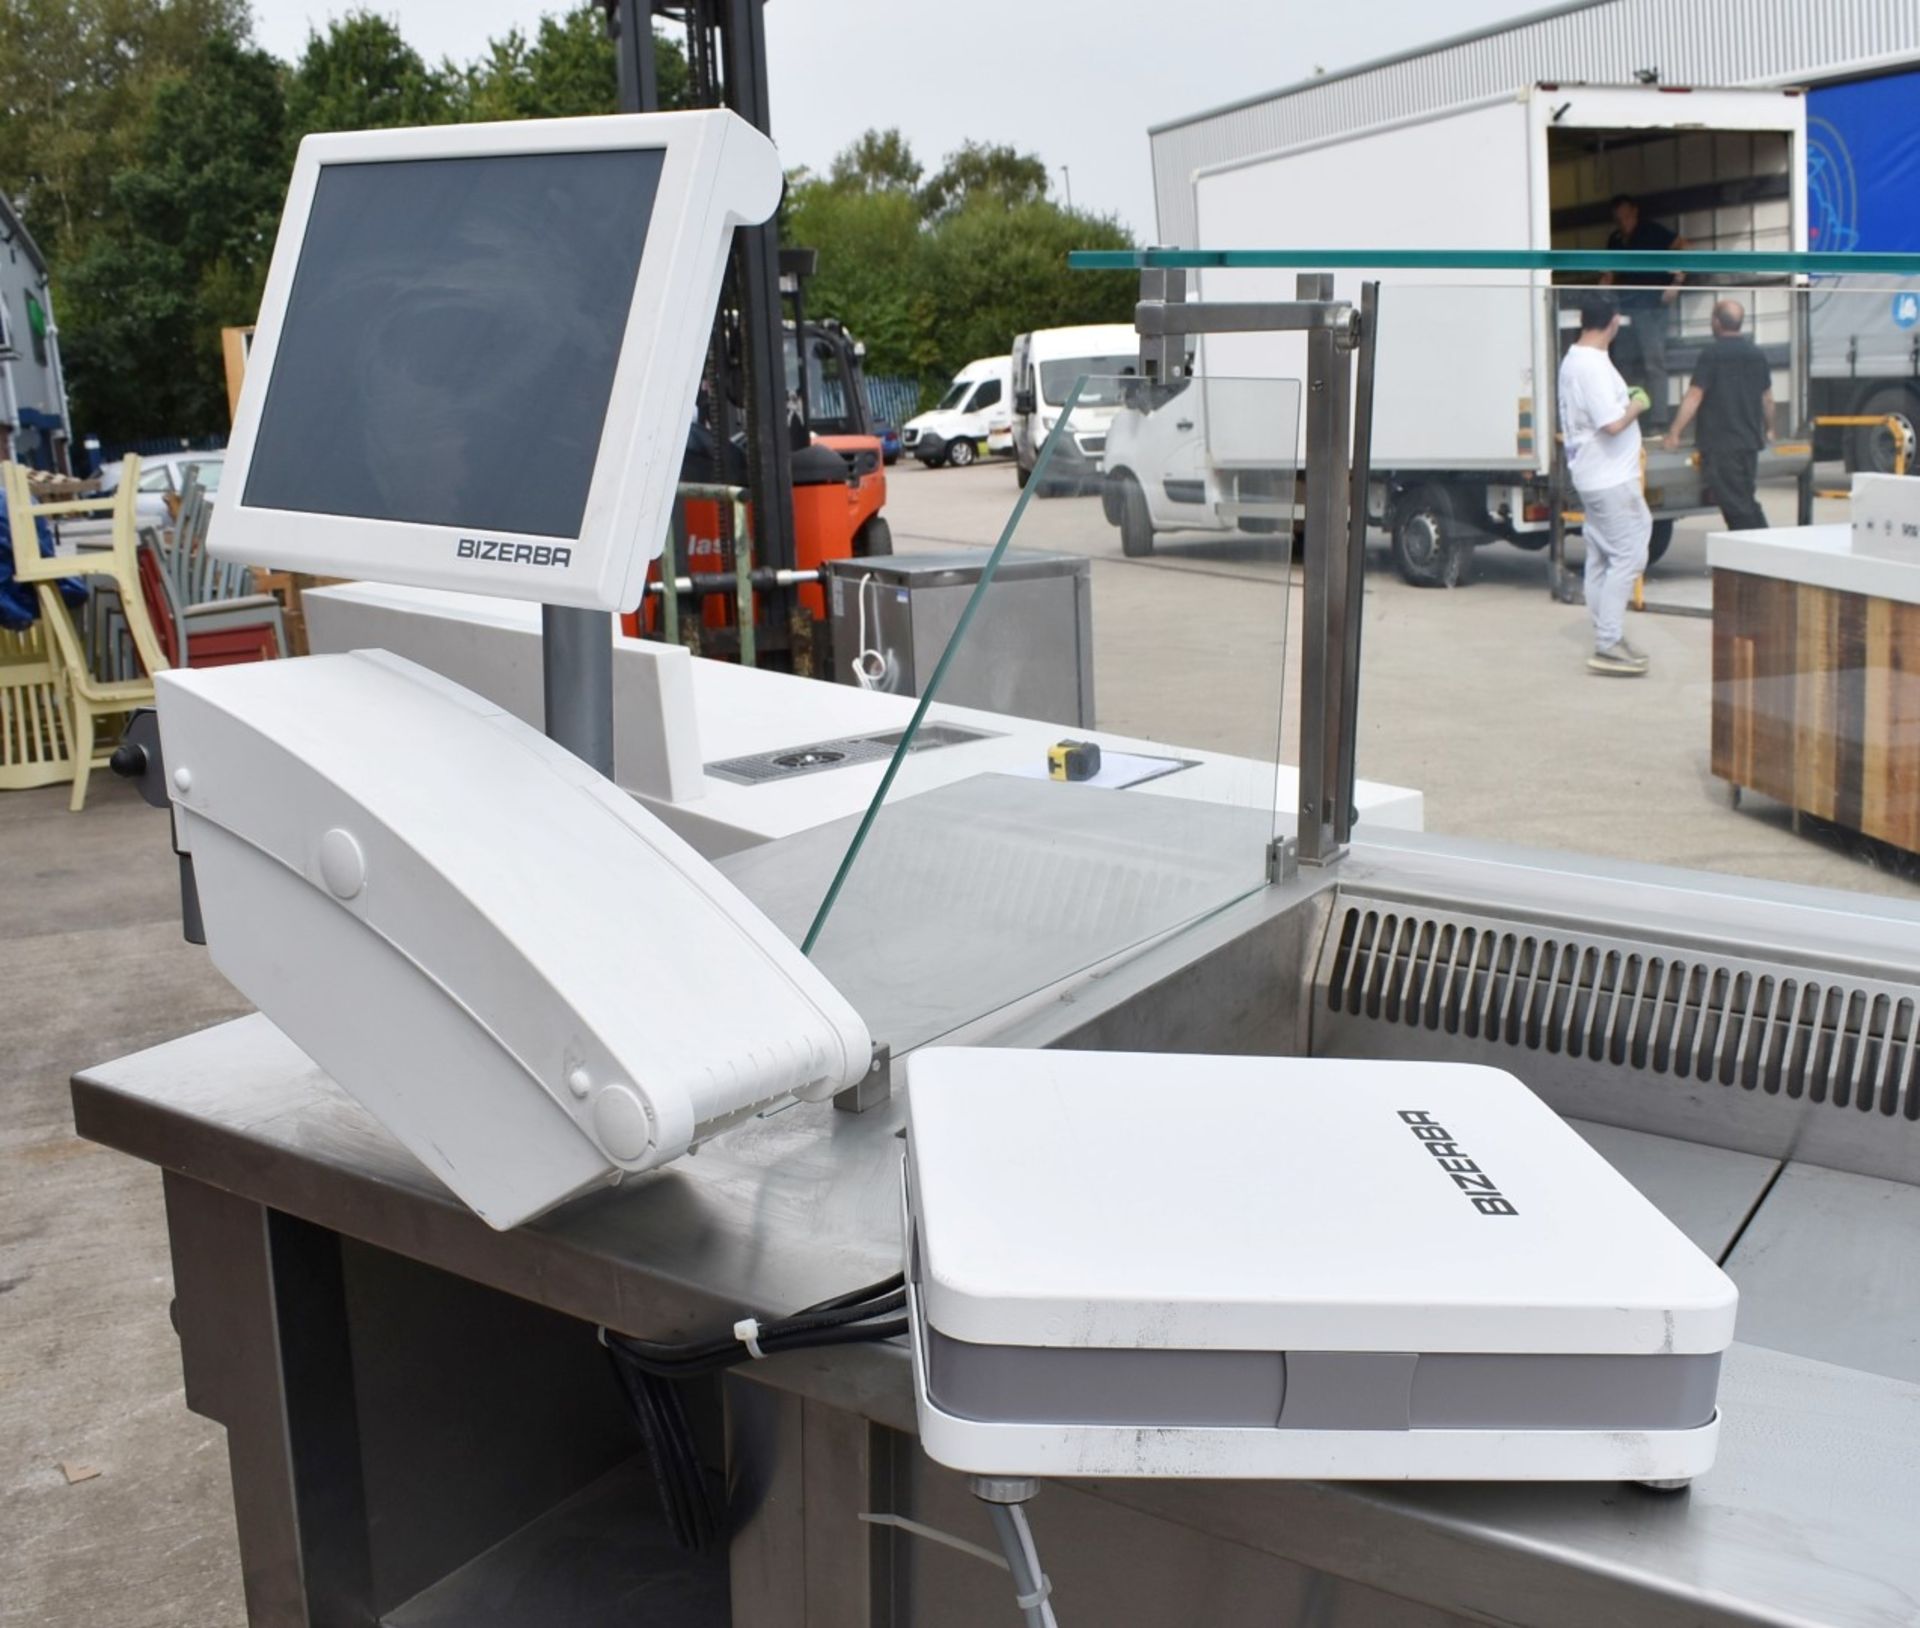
(869, 1313)
(649, 1369)
(873, 1291)
(679, 1479)
(705, 1360)
(665, 1353)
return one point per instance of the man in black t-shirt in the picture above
(1732, 395)
(1641, 350)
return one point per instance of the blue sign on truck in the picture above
(1863, 180)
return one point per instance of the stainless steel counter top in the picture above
(1805, 1519)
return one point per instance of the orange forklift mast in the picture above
(838, 492)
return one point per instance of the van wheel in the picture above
(874, 537)
(1426, 549)
(1660, 541)
(960, 452)
(1136, 524)
(1871, 449)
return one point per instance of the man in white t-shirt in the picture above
(1599, 421)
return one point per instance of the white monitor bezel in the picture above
(718, 173)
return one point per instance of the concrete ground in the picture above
(114, 1503)
(136, 1530)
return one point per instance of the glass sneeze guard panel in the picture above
(1092, 817)
(1765, 563)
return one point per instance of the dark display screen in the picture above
(449, 344)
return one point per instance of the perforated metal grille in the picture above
(1851, 1043)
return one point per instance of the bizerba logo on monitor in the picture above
(1479, 1187)
(486, 548)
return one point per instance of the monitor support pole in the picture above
(576, 661)
(576, 646)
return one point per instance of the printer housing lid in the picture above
(1269, 1203)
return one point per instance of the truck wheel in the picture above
(1426, 552)
(959, 452)
(1136, 524)
(874, 537)
(1660, 541)
(1872, 448)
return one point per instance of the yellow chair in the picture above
(33, 733)
(85, 698)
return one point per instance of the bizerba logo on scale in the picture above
(1480, 1188)
(486, 548)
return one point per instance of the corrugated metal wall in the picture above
(1690, 42)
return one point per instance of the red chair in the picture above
(217, 634)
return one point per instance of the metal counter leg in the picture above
(800, 1474)
(259, 1308)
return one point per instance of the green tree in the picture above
(180, 250)
(362, 75)
(980, 173)
(994, 270)
(872, 250)
(930, 279)
(568, 68)
(878, 161)
(77, 78)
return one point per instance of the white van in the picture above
(1046, 363)
(975, 413)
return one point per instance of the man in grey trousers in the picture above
(1600, 423)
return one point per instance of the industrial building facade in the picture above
(33, 395)
(1621, 42)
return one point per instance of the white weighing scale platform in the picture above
(1280, 1267)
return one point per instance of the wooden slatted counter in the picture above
(1816, 676)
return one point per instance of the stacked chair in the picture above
(205, 610)
(84, 699)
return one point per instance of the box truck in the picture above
(1464, 409)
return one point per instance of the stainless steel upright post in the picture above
(1354, 567)
(576, 663)
(1333, 554)
(1326, 621)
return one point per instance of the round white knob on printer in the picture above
(343, 867)
(620, 1123)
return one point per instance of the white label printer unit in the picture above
(1352, 1270)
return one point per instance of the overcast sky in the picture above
(1077, 81)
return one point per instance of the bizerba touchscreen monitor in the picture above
(478, 351)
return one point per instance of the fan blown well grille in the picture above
(1851, 1043)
